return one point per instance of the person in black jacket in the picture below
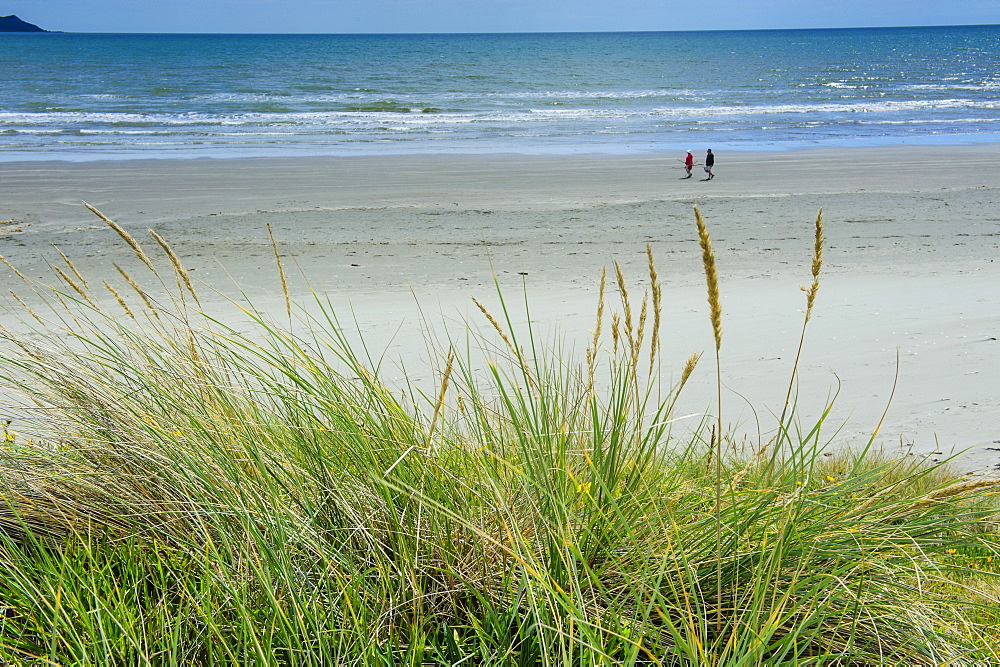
(709, 163)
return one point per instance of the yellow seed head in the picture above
(600, 314)
(711, 277)
(626, 305)
(817, 264)
(131, 242)
(27, 308)
(281, 272)
(689, 367)
(640, 333)
(138, 290)
(616, 322)
(657, 290)
(69, 263)
(121, 301)
(12, 268)
(76, 288)
(178, 267)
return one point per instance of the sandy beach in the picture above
(909, 281)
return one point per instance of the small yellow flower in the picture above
(798, 483)
(830, 478)
(583, 488)
(951, 551)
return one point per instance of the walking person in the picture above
(709, 163)
(688, 164)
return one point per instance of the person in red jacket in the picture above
(688, 164)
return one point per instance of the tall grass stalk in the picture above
(194, 489)
(811, 291)
(715, 316)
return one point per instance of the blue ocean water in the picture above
(92, 96)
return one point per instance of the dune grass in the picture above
(179, 490)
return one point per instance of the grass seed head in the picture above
(138, 290)
(121, 301)
(657, 290)
(176, 263)
(13, 268)
(817, 264)
(129, 241)
(711, 277)
(72, 267)
(281, 272)
(76, 287)
(27, 308)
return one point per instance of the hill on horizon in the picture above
(12, 23)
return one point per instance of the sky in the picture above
(393, 16)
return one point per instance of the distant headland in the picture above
(13, 24)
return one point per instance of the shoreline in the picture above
(638, 176)
(933, 142)
(912, 235)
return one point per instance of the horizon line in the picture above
(521, 32)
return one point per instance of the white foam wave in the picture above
(962, 86)
(152, 121)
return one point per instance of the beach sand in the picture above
(910, 272)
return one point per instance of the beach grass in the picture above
(179, 486)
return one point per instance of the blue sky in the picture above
(336, 16)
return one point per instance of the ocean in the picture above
(115, 96)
